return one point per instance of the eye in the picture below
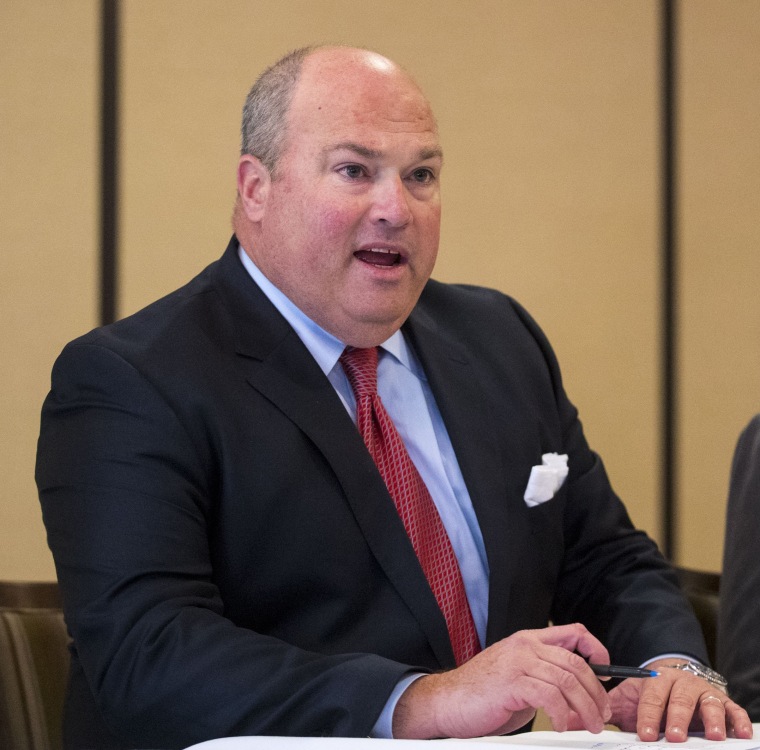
(352, 171)
(423, 175)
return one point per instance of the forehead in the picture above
(344, 98)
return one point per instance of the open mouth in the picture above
(378, 256)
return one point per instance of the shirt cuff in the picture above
(383, 729)
(667, 656)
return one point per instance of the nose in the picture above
(390, 203)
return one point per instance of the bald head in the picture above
(267, 106)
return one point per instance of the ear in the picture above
(253, 182)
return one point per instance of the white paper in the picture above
(613, 740)
(606, 740)
(328, 743)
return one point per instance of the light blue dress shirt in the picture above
(406, 395)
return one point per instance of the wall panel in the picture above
(548, 113)
(719, 139)
(48, 260)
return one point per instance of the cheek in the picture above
(428, 215)
(430, 224)
(334, 221)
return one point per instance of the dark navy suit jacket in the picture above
(230, 560)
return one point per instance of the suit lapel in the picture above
(278, 365)
(470, 422)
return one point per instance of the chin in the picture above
(365, 332)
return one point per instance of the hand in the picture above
(500, 688)
(678, 701)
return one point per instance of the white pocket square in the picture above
(546, 479)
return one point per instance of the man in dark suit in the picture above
(233, 561)
(738, 645)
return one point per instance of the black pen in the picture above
(612, 670)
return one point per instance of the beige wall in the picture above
(48, 245)
(549, 124)
(720, 269)
(549, 118)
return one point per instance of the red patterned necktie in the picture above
(413, 502)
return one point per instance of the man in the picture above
(232, 559)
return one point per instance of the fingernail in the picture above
(647, 732)
(677, 731)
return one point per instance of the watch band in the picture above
(700, 670)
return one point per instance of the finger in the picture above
(624, 702)
(722, 717)
(592, 649)
(591, 686)
(738, 723)
(557, 646)
(653, 698)
(580, 691)
(575, 637)
(712, 711)
(549, 698)
(682, 705)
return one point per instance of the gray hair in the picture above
(266, 108)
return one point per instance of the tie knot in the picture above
(360, 366)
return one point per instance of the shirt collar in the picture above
(324, 347)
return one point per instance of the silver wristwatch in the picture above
(700, 670)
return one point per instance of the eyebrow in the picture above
(371, 153)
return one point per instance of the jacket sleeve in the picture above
(613, 578)
(127, 498)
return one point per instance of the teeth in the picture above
(380, 250)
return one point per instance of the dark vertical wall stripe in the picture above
(109, 159)
(669, 320)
